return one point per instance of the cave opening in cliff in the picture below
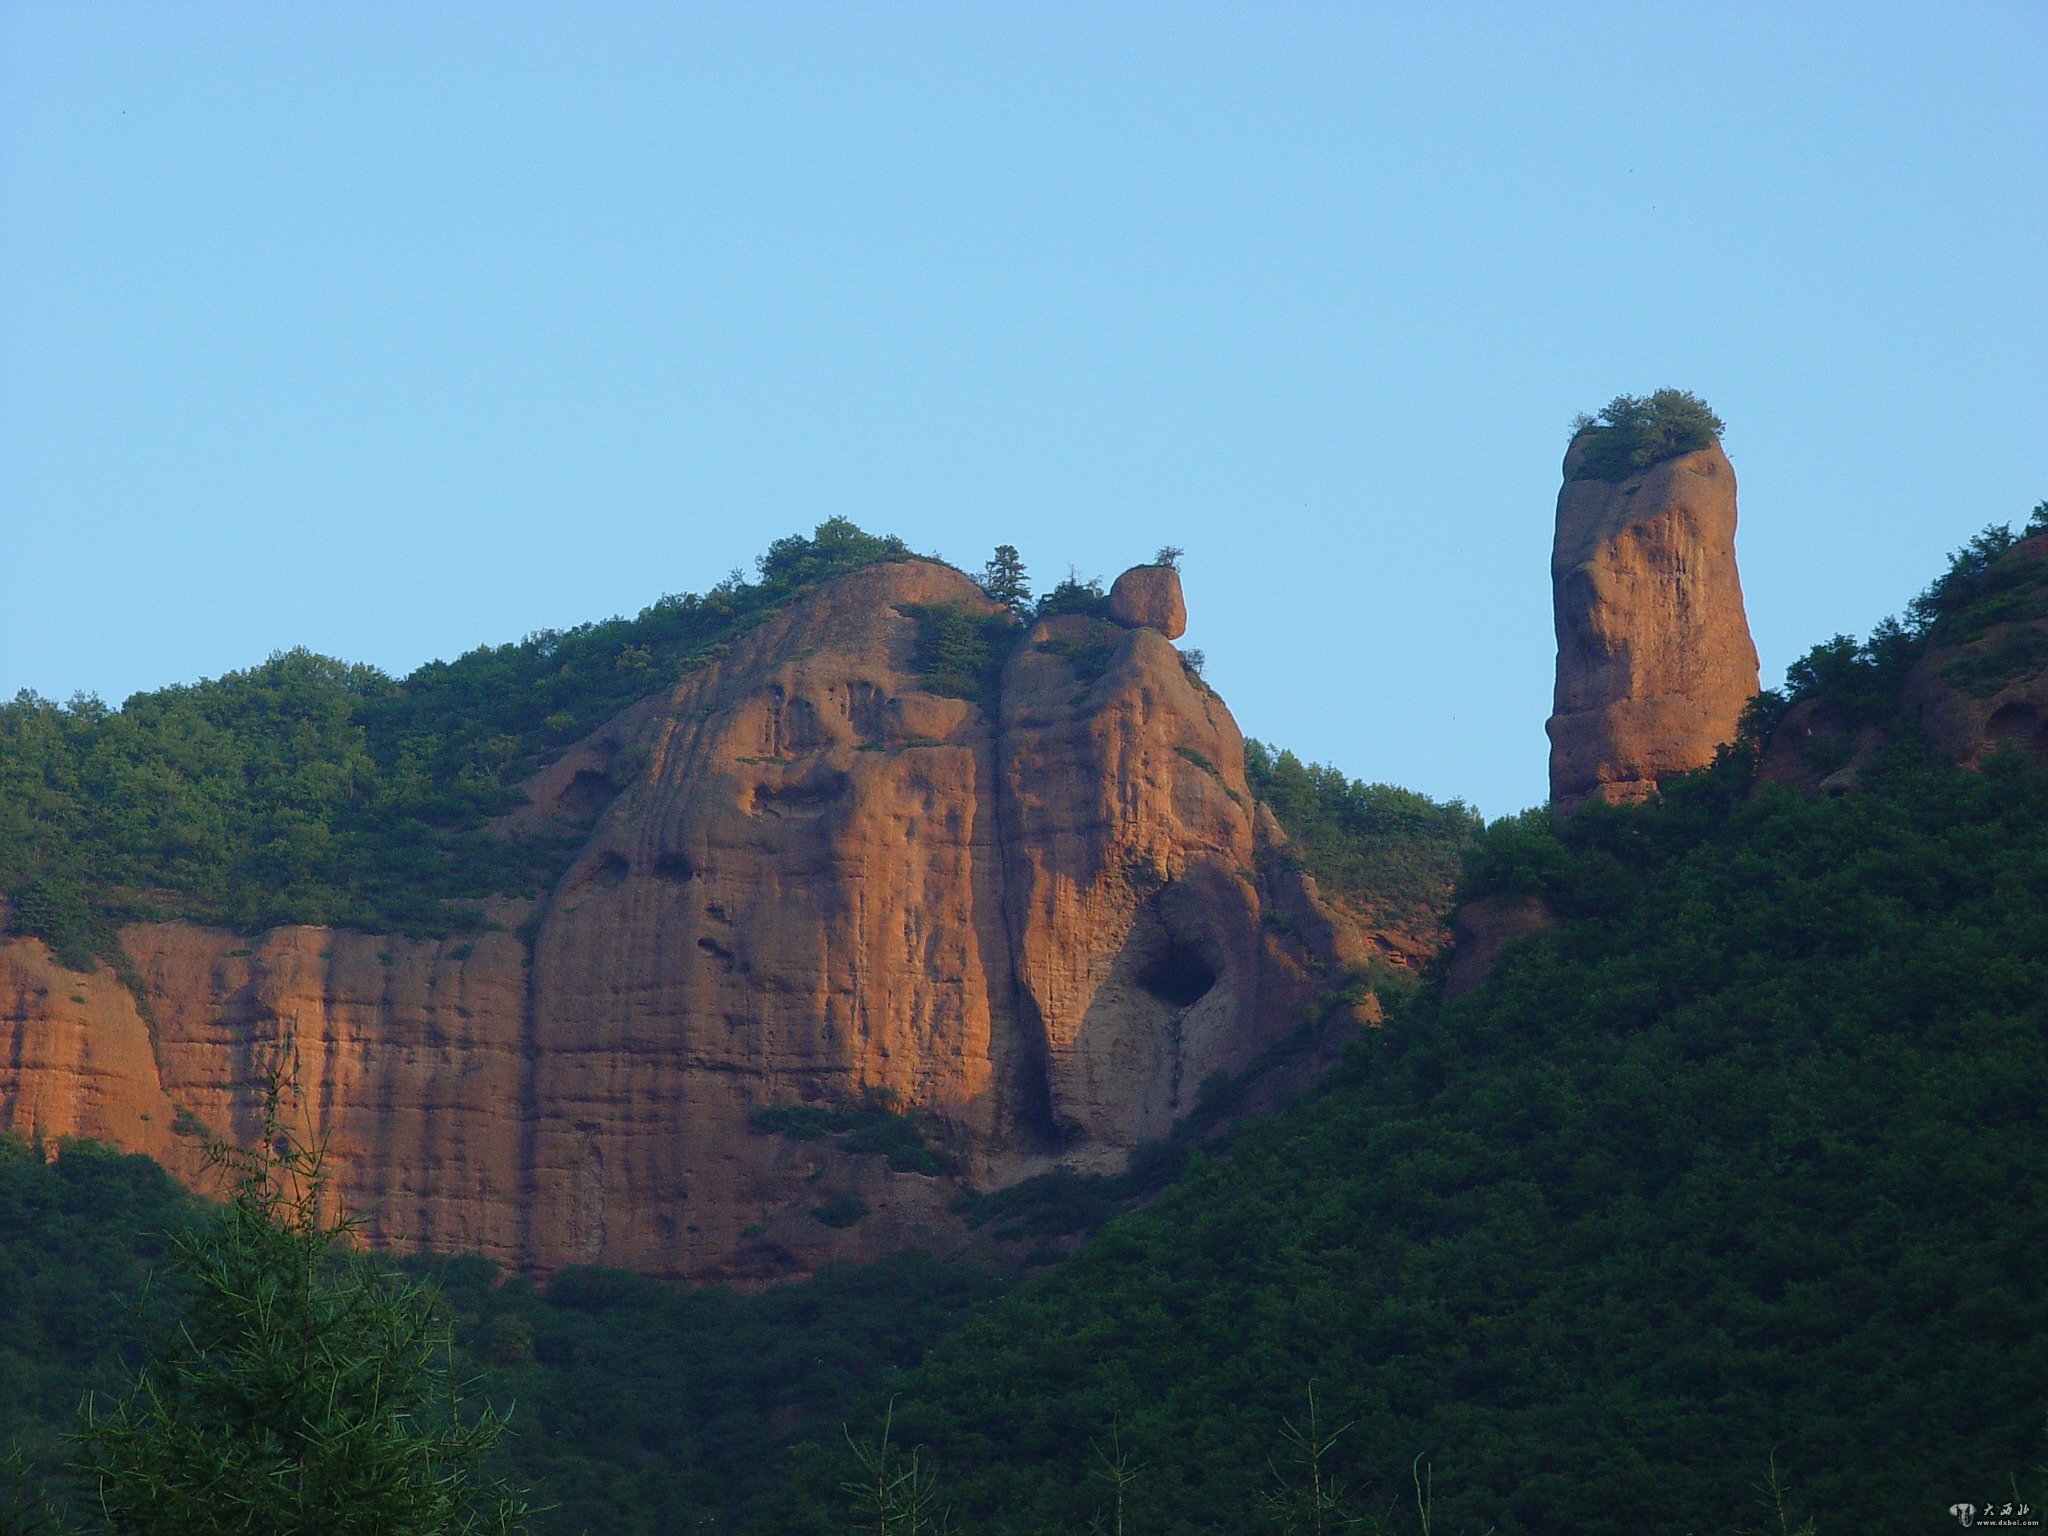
(1180, 977)
(586, 794)
(2019, 724)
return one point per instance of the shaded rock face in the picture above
(1482, 932)
(1991, 690)
(1812, 750)
(806, 879)
(1984, 688)
(1148, 597)
(1654, 658)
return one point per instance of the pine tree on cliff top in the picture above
(1004, 580)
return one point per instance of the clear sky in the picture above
(393, 329)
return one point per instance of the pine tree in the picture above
(301, 1391)
(1004, 580)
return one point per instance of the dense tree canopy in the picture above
(1391, 852)
(631, 1405)
(1738, 1173)
(1743, 1161)
(1633, 432)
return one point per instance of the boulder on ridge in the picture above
(1148, 597)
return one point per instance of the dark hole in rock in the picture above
(805, 799)
(2022, 725)
(713, 947)
(867, 708)
(585, 794)
(609, 869)
(1179, 978)
(674, 866)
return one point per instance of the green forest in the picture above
(1741, 1164)
(1392, 852)
(1716, 1209)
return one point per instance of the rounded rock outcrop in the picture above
(1148, 597)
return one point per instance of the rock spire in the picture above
(1654, 658)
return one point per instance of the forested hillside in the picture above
(1713, 1210)
(629, 1400)
(1392, 854)
(1743, 1162)
(78, 1240)
(1733, 1177)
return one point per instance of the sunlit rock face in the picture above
(1654, 658)
(1038, 919)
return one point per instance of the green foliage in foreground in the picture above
(632, 1407)
(1634, 432)
(1744, 1161)
(312, 790)
(297, 1387)
(79, 1238)
(1391, 851)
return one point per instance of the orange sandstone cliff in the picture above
(1037, 919)
(1654, 658)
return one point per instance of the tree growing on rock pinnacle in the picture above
(1635, 431)
(300, 1391)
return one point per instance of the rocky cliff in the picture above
(1020, 929)
(1654, 658)
(1983, 683)
(1977, 681)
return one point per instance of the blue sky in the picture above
(396, 329)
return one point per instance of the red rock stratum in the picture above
(1035, 919)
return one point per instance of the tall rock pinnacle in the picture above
(1654, 659)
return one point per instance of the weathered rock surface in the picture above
(1814, 750)
(1148, 597)
(1654, 658)
(1482, 932)
(1991, 689)
(1133, 903)
(807, 879)
(1980, 685)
